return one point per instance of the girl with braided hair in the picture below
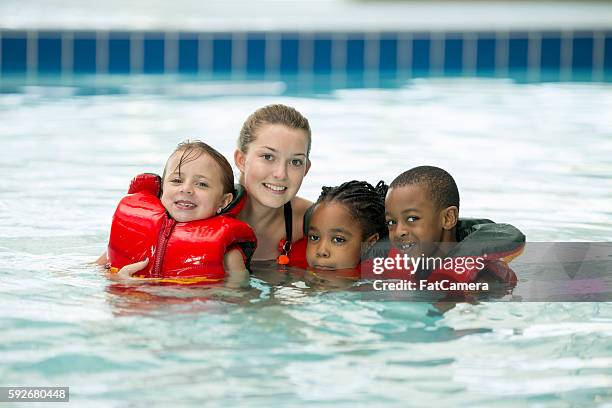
(343, 218)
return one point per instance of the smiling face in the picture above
(334, 238)
(274, 165)
(415, 224)
(196, 192)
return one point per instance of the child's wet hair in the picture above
(192, 149)
(440, 184)
(277, 114)
(365, 202)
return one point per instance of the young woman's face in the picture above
(334, 238)
(274, 165)
(197, 192)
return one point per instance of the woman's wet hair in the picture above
(365, 203)
(272, 115)
(438, 182)
(192, 149)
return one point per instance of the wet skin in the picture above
(334, 238)
(272, 170)
(415, 225)
(196, 192)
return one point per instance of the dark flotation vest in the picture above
(482, 247)
(178, 252)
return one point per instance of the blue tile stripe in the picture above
(322, 55)
(256, 53)
(154, 50)
(607, 60)
(421, 54)
(387, 53)
(119, 53)
(13, 52)
(290, 53)
(355, 53)
(486, 51)
(84, 60)
(560, 54)
(453, 55)
(188, 52)
(49, 52)
(222, 54)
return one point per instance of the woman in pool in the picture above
(273, 158)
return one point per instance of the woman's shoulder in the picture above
(300, 205)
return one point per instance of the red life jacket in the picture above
(178, 252)
(297, 253)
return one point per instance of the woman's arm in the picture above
(236, 273)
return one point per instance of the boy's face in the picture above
(197, 192)
(334, 238)
(414, 223)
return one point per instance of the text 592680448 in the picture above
(34, 394)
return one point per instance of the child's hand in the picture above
(103, 259)
(128, 270)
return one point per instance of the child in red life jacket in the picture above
(343, 224)
(184, 236)
(422, 214)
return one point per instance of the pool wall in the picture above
(544, 55)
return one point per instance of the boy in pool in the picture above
(183, 234)
(422, 215)
(343, 219)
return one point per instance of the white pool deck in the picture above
(304, 15)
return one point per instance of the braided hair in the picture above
(365, 202)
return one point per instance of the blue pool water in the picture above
(537, 155)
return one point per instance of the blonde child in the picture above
(185, 236)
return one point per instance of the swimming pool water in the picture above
(534, 155)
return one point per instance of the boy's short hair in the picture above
(440, 184)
